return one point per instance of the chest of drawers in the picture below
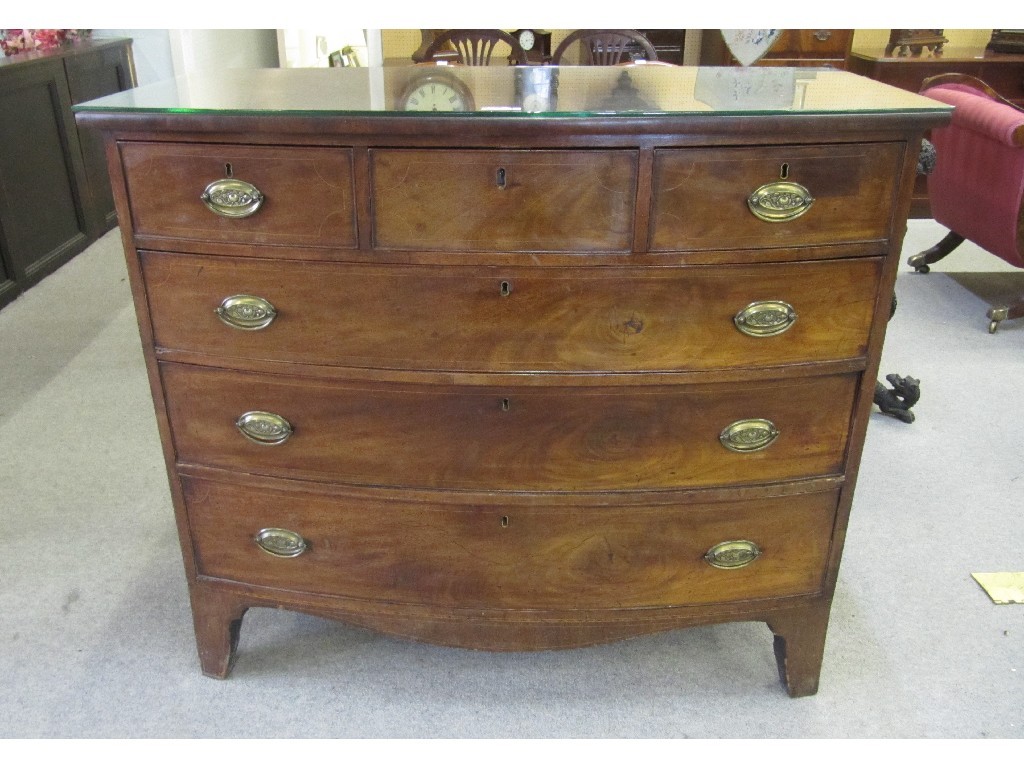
(506, 381)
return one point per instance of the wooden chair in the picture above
(606, 47)
(977, 186)
(475, 46)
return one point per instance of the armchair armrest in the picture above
(979, 108)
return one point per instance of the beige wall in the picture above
(879, 38)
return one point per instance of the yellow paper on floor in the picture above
(1004, 588)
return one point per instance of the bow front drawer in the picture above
(512, 318)
(584, 438)
(298, 196)
(768, 197)
(511, 554)
(525, 200)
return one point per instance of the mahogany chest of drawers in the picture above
(512, 381)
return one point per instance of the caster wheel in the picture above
(924, 269)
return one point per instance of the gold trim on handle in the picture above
(280, 542)
(264, 428)
(765, 318)
(780, 201)
(232, 198)
(733, 554)
(246, 313)
(749, 435)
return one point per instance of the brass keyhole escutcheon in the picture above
(505, 288)
(504, 521)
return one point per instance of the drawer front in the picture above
(701, 196)
(516, 200)
(525, 438)
(517, 556)
(304, 194)
(509, 319)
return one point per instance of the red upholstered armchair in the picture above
(977, 186)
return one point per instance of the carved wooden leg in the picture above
(942, 249)
(218, 621)
(799, 647)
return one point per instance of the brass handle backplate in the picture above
(264, 428)
(246, 313)
(749, 435)
(232, 198)
(780, 201)
(765, 318)
(280, 542)
(733, 554)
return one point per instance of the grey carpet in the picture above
(96, 638)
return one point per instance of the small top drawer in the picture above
(522, 200)
(769, 197)
(241, 194)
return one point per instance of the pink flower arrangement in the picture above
(14, 41)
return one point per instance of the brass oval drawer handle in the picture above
(232, 198)
(246, 313)
(280, 542)
(733, 554)
(749, 435)
(780, 201)
(264, 428)
(765, 318)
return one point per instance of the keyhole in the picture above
(228, 170)
(506, 288)
(784, 171)
(501, 178)
(504, 521)
(504, 404)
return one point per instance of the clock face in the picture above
(527, 40)
(436, 93)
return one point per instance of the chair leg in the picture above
(996, 315)
(920, 261)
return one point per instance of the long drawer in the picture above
(511, 555)
(802, 195)
(524, 438)
(299, 196)
(512, 318)
(493, 200)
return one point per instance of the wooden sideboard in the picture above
(794, 48)
(507, 381)
(55, 196)
(1002, 71)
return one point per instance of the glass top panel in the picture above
(518, 91)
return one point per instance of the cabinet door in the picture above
(92, 74)
(8, 288)
(42, 212)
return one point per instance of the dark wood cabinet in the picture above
(55, 196)
(794, 48)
